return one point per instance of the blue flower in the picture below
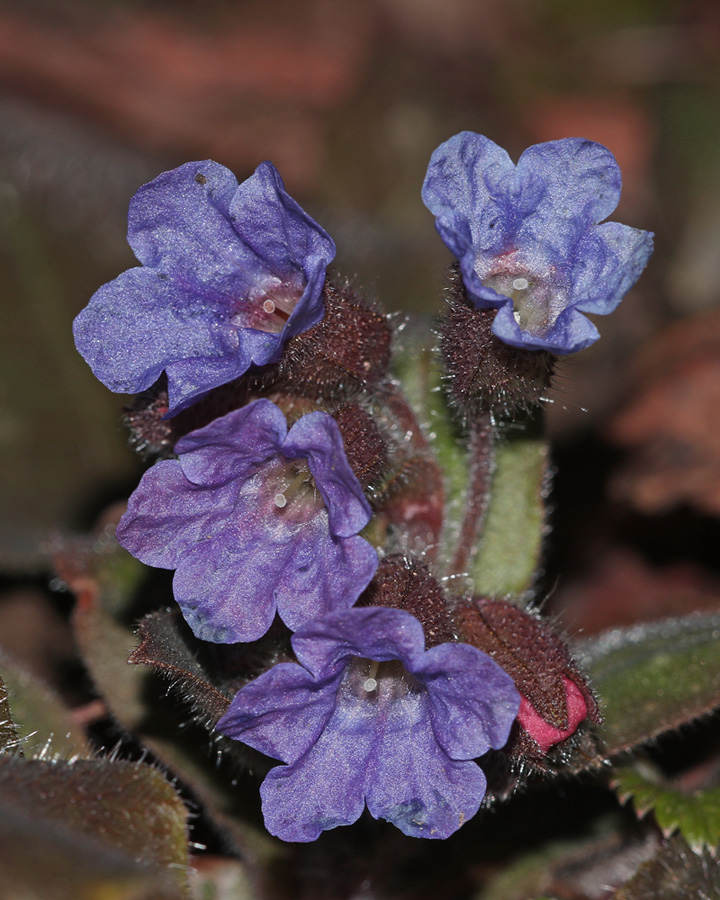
(229, 272)
(370, 717)
(528, 239)
(254, 518)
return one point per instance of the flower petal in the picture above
(469, 188)
(180, 223)
(321, 574)
(472, 702)
(607, 264)
(189, 379)
(222, 590)
(138, 324)
(412, 782)
(316, 437)
(267, 218)
(572, 179)
(167, 515)
(324, 788)
(282, 713)
(234, 445)
(378, 633)
(571, 332)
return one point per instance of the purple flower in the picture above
(528, 239)
(254, 518)
(370, 717)
(229, 273)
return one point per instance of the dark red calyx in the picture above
(346, 352)
(555, 695)
(364, 445)
(486, 375)
(153, 435)
(293, 406)
(404, 583)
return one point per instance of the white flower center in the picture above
(379, 681)
(290, 490)
(537, 300)
(268, 306)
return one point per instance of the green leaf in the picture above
(652, 678)
(696, 815)
(42, 720)
(506, 562)
(507, 559)
(417, 366)
(97, 827)
(139, 701)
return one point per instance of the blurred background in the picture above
(349, 99)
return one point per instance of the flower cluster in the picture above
(295, 478)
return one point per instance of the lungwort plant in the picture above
(362, 697)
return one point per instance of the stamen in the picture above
(268, 308)
(370, 683)
(293, 488)
(520, 284)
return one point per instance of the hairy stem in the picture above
(482, 465)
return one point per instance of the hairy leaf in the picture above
(507, 557)
(139, 701)
(41, 718)
(509, 553)
(418, 368)
(674, 873)
(652, 678)
(92, 823)
(9, 742)
(161, 646)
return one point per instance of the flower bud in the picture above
(365, 446)
(152, 433)
(346, 352)
(555, 696)
(404, 583)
